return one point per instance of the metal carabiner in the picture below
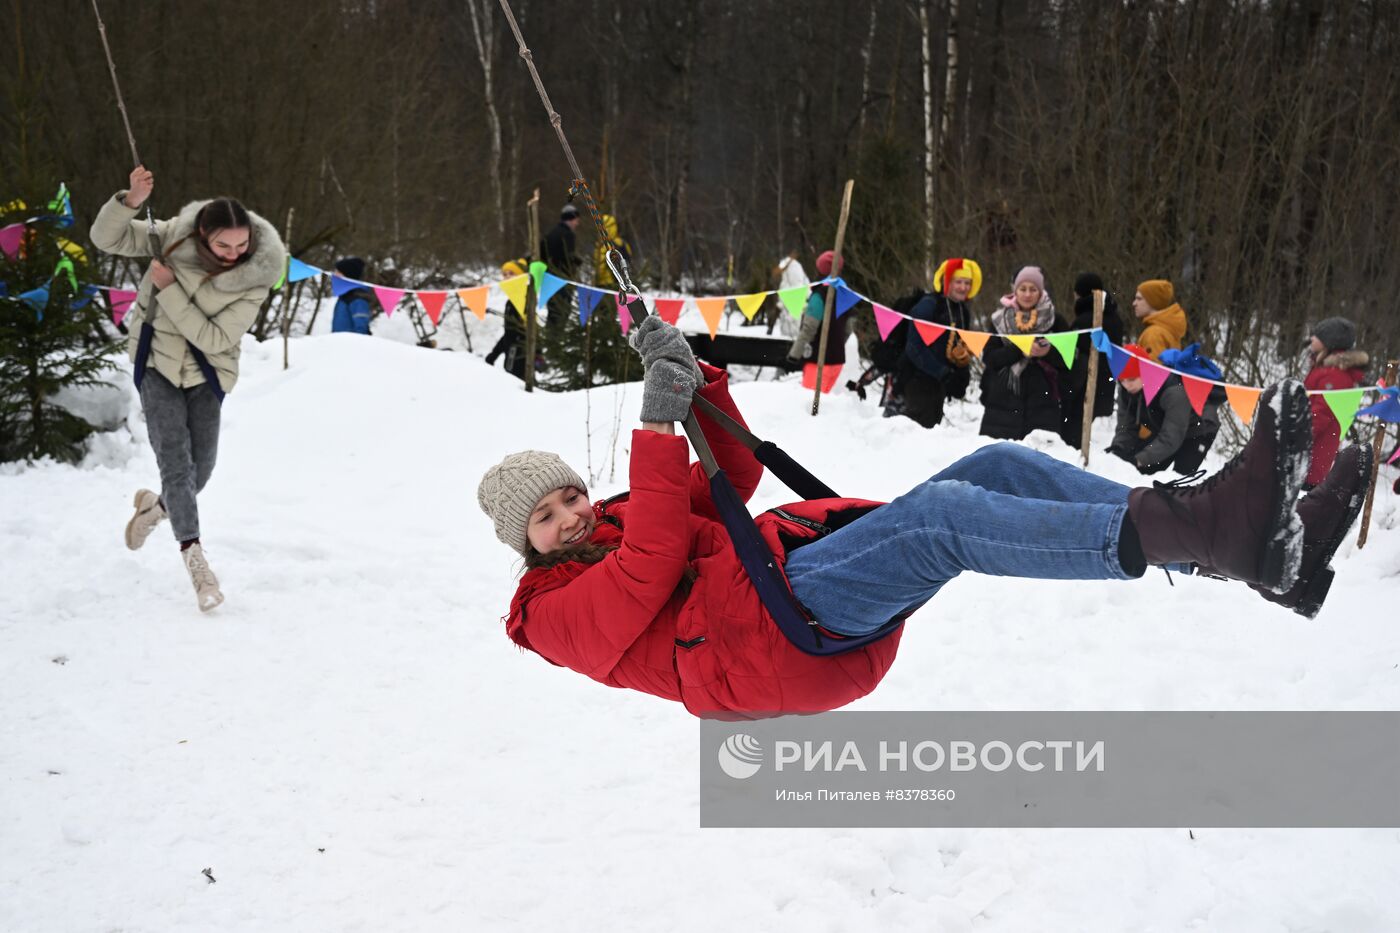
(621, 272)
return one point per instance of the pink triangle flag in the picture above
(389, 298)
(624, 317)
(121, 300)
(886, 319)
(432, 303)
(10, 238)
(1153, 378)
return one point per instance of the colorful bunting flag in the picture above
(976, 342)
(65, 267)
(515, 292)
(339, 286)
(432, 303)
(389, 298)
(537, 272)
(844, 299)
(624, 317)
(1022, 342)
(1196, 391)
(122, 301)
(749, 304)
(1243, 400)
(886, 319)
(1117, 359)
(588, 299)
(1344, 403)
(1066, 344)
(298, 270)
(1386, 407)
(549, 284)
(474, 299)
(10, 238)
(795, 299)
(86, 295)
(929, 332)
(1153, 378)
(37, 299)
(669, 309)
(712, 310)
(1100, 340)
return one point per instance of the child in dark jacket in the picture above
(1335, 365)
(1165, 432)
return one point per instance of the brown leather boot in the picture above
(1328, 511)
(1239, 523)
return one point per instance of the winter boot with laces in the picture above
(206, 585)
(1239, 523)
(1328, 511)
(149, 514)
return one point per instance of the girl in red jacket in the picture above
(645, 590)
(1335, 365)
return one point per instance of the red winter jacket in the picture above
(623, 622)
(1342, 370)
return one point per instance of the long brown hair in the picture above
(590, 553)
(218, 214)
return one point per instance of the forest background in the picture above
(1248, 151)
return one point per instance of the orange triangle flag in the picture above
(975, 340)
(432, 303)
(515, 291)
(1243, 399)
(711, 309)
(475, 300)
(749, 304)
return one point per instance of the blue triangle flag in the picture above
(4, 289)
(588, 299)
(86, 295)
(340, 286)
(1117, 359)
(1100, 339)
(298, 270)
(36, 298)
(1387, 408)
(549, 284)
(844, 299)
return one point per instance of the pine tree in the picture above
(581, 355)
(50, 338)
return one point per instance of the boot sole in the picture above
(1283, 547)
(131, 544)
(1315, 590)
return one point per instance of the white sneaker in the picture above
(206, 585)
(149, 514)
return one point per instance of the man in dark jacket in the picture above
(930, 372)
(1165, 432)
(1073, 399)
(354, 308)
(559, 251)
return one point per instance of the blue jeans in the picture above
(1005, 510)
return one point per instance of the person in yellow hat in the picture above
(1163, 320)
(931, 372)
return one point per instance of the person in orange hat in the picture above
(1163, 320)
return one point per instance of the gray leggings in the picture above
(183, 425)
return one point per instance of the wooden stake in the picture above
(1378, 449)
(831, 292)
(1091, 388)
(531, 332)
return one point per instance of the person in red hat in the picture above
(805, 345)
(1166, 431)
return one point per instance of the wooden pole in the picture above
(1091, 388)
(288, 310)
(1379, 450)
(831, 292)
(531, 331)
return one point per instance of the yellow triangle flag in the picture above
(711, 309)
(975, 339)
(1243, 399)
(749, 304)
(1023, 342)
(475, 300)
(515, 291)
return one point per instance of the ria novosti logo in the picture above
(741, 756)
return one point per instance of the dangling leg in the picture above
(1018, 470)
(167, 424)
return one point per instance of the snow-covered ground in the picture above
(351, 743)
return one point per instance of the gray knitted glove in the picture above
(666, 391)
(656, 340)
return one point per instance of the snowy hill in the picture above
(351, 743)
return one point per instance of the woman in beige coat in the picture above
(214, 265)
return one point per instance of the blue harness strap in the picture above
(143, 354)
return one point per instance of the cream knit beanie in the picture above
(511, 489)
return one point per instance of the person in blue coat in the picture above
(354, 308)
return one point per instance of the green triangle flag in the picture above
(1065, 343)
(1344, 404)
(795, 298)
(537, 271)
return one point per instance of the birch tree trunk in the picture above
(485, 50)
(930, 140)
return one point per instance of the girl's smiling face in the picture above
(564, 518)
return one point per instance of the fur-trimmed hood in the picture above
(1344, 359)
(261, 270)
